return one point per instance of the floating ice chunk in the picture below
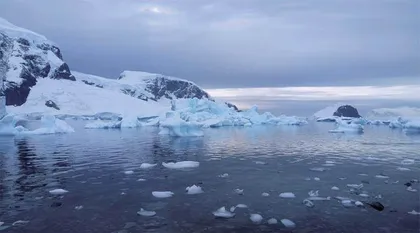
(260, 163)
(363, 195)
(146, 213)
(181, 165)
(194, 190)
(355, 186)
(173, 125)
(335, 188)
(288, 223)
(318, 169)
(413, 212)
(403, 169)
(225, 175)
(223, 213)
(239, 191)
(265, 194)
(362, 174)
(358, 203)
(129, 122)
(162, 194)
(347, 203)
(407, 161)
(123, 193)
(287, 195)
(58, 191)
(272, 221)
(147, 165)
(378, 196)
(313, 193)
(317, 179)
(20, 223)
(99, 124)
(319, 198)
(382, 177)
(241, 206)
(141, 179)
(256, 218)
(347, 127)
(308, 203)
(342, 178)
(410, 189)
(79, 207)
(129, 172)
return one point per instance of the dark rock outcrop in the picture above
(347, 111)
(29, 60)
(51, 104)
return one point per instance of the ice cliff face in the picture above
(27, 57)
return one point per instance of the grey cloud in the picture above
(237, 43)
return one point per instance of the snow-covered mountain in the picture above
(37, 80)
(27, 57)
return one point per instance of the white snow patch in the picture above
(181, 165)
(287, 195)
(162, 194)
(194, 190)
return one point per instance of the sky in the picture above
(242, 45)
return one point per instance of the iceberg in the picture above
(223, 213)
(11, 125)
(181, 165)
(173, 125)
(100, 124)
(146, 213)
(347, 127)
(288, 223)
(256, 218)
(287, 195)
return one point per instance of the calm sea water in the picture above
(90, 164)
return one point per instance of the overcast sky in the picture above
(234, 43)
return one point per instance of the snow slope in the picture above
(327, 114)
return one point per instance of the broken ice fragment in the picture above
(410, 189)
(181, 165)
(313, 193)
(194, 190)
(272, 221)
(288, 223)
(382, 177)
(287, 195)
(58, 191)
(224, 175)
(308, 203)
(335, 188)
(256, 218)
(239, 191)
(223, 213)
(162, 194)
(129, 172)
(147, 165)
(265, 194)
(146, 213)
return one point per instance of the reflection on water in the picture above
(91, 164)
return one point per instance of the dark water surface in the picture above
(90, 164)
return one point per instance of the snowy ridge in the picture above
(16, 32)
(327, 114)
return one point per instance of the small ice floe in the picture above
(225, 175)
(363, 174)
(317, 179)
(214, 159)
(396, 182)
(307, 179)
(272, 221)
(181, 165)
(347, 203)
(146, 213)
(363, 195)
(335, 188)
(141, 179)
(379, 196)
(79, 207)
(260, 163)
(162, 194)
(147, 165)
(241, 206)
(308, 203)
(407, 161)
(411, 189)
(239, 191)
(313, 193)
(330, 162)
(403, 169)
(58, 191)
(194, 190)
(265, 194)
(318, 169)
(288, 223)
(256, 218)
(318, 198)
(382, 177)
(20, 223)
(358, 203)
(287, 195)
(328, 165)
(223, 213)
(123, 193)
(129, 172)
(355, 186)
(342, 178)
(413, 212)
